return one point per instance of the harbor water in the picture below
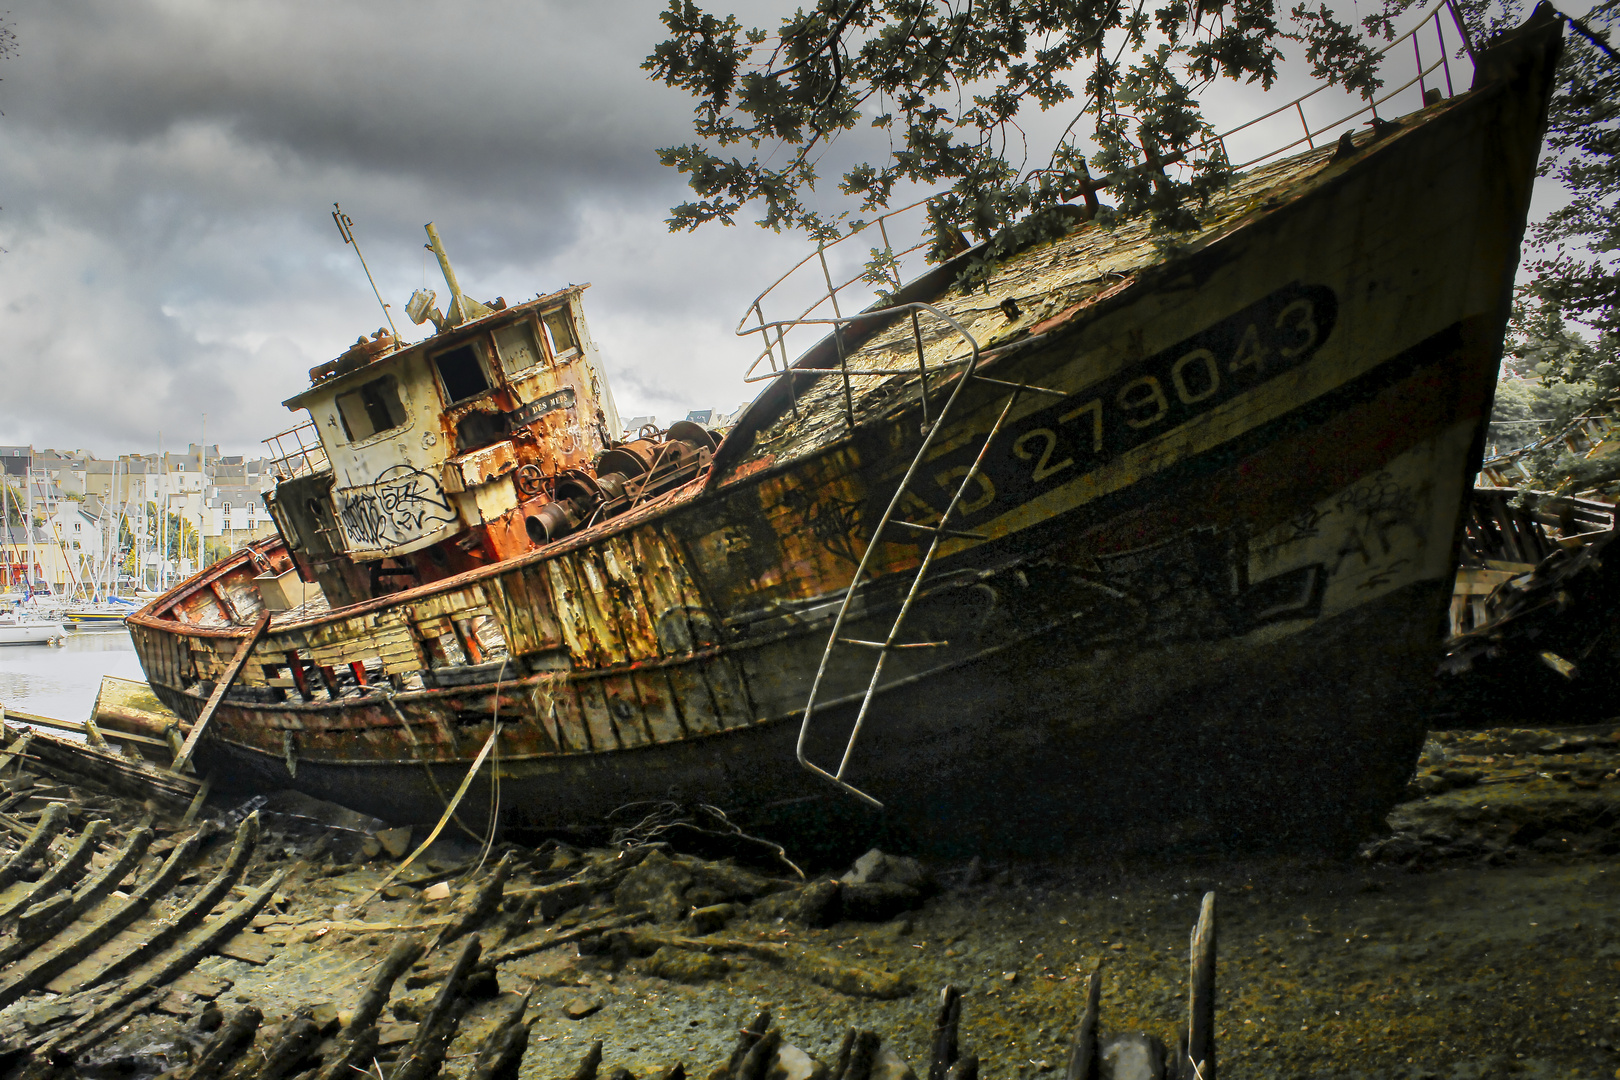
(61, 681)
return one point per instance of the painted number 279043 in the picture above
(1231, 357)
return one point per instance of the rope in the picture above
(416, 752)
(466, 782)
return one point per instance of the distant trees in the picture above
(1566, 326)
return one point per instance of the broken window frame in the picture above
(399, 399)
(565, 316)
(480, 350)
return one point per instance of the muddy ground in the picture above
(1480, 937)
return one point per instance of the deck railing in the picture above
(835, 276)
(296, 451)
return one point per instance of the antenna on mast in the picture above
(345, 226)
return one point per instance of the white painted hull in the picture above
(31, 632)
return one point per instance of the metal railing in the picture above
(816, 286)
(775, 358)
(305, 455)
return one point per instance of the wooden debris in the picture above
(63, 873)
(438, 1026)
(50, 823)
(1084, 1063)
(233, 1036)
(195, 910)
(1200, 1058)
(129, 707)
(501, 1051)
(482, 903)
(136, 779)
(360, 1038)
(105, 930)
(946, 1025)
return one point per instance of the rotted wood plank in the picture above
(666, 604)
(632, 607)
(577, 632)
(597, 600)
(220, 689)
(102, 930)
(658, 704)
(624, 704)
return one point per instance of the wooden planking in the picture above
(658, 705)
(632, 606)
(696, 702)
(730, 694)
(597, 602)
(455, 604)
(576, 631)
(624, 703)
(665, 597)
(598, 721)
(561, 711)
(522, 602)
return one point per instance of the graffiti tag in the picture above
(401, 505)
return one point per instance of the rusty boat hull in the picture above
(1202, 594)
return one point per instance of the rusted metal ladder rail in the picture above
(938, 533)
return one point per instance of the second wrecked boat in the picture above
(1191, 577)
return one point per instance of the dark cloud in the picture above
(170, 166)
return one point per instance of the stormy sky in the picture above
(169, 167)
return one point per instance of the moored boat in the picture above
(1157, 543)
(22, 628)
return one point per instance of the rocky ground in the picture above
(1479, 938)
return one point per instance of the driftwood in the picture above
(435, 1030)
(233, 1036)
(195, 910)
(50, 823)
(63, 874)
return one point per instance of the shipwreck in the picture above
(1158, 543)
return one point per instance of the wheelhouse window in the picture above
(461, 373)
(561, 331)
(519, 351)
(373, 407)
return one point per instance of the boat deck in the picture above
(1052, 286)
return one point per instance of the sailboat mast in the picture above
(28, 518)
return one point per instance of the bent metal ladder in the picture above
(937, 533)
